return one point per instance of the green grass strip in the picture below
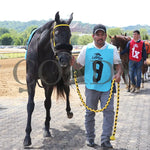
(11, 55)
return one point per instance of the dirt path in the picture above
(10, 76)
(8, 84)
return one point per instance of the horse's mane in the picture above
(46, 26)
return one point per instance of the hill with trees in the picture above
(76, 26)
(17, 33)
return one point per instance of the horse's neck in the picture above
(48, 25)
(45, 37)
(123, 43)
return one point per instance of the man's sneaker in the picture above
(90, 143)
(137, 90)
(132, 88)
(107, 144)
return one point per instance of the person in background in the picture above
(137, 54)
(98, 58)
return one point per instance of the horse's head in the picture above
(120, 41)
(61, 44)
(114, 41)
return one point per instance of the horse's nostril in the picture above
(63, 65)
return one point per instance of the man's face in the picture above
(99, 38)
(136, 36)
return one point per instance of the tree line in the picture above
(84, 39)
(13, 37)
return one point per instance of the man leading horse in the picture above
(98, 58)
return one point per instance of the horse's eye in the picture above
(56, 32)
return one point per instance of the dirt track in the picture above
(10, 87)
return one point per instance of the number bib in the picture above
(98, 68)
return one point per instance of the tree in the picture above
(6, 39)
(85, 39)
(144, 34)
(74, 39)
(18, 40)
(25, 35)
(3, 31)
(113, 31)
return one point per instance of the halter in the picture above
(53, 35)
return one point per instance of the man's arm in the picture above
(80, 62)
(126, 50)
(117, 76)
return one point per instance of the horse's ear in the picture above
(125, 38)
(57, 17)
(70, 19)
(110, 36)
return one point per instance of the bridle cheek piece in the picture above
(53, 35)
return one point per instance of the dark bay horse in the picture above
(120, 42)
(48, 58)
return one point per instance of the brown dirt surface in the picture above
(8, 84)
(10, 76)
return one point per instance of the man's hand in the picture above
(117, 77)
(73, 61)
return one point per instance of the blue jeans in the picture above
(135, 69)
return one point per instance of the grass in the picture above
(11, 55)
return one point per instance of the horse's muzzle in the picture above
(64, 58)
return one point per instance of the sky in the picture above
(118, 13)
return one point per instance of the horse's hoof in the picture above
(27, 141)
(46, 134)
(70, 115)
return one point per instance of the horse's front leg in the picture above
(129, 88)
(47, 104)
(68, 108)
(30, 108)
(126, 81)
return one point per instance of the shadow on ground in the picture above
(73, 137)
